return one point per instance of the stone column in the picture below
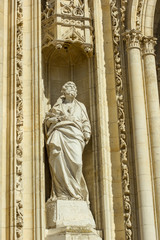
(140, 136)
(104, 151)
(153, 114)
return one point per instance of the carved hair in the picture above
(69, 84)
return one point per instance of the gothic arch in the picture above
(141, 16)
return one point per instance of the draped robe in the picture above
(65, 144)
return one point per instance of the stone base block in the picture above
(72, 233)
(63, 213)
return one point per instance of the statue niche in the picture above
(67, 46)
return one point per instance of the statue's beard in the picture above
(71, 94)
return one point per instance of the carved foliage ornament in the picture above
(19, 122)
(149, 44)
(133, 38)
(74, 8)
(139, 14)
(121, 122)
(48, 11)
(123, 12)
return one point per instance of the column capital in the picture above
(148, 45)
(133, 38)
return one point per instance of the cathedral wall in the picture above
(121, 162)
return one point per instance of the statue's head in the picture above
(69, 88)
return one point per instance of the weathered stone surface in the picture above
(72, 233)
(63, 213)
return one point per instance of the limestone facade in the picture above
(110, 49)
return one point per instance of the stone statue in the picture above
(67, 130)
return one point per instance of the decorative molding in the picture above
(149, 45)
(123, 13)
(72, 9)
(67, 21)
(139, 15)
(121, 122)
(133, 38)
(72, 35)
(19, 123)
(48, 12)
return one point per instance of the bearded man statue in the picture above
(67, 130)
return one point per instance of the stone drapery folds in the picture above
(67, 131)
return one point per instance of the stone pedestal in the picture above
(70, 220)
(63, 213)
(72, 233)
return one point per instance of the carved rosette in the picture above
(133, 38)
(149, 45)
(121, 123)
(67, 21)
(19, 122)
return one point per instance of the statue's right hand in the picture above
(51, 120)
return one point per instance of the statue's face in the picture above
(69, 92)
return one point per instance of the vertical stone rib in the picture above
(153, 115)
(102, 120)
(121, 122)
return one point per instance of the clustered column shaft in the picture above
(153, 114)
(140, 136)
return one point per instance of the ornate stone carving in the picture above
(148, 45)
(19, 122)
(139, 15)
(73, 8)
(67, 21)
(127, 215)
(133, 38)
(121, 122)
(123, 12)
(73, 35)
